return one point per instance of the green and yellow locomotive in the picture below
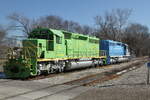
(49, 51)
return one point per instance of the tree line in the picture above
(113, 25)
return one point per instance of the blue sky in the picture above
(82, 11)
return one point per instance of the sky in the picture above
(81, 11)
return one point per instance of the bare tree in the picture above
(138, 37)
(26, 25)
(57, 22)
(3, 33)
(88, 30)
(50, 21)
(21, 23)
(113, 25)
(110, 26)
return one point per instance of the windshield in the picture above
(40, 34)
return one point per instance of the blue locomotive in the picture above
(115, 51)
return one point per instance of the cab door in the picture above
(69, 49)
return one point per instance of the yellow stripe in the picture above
(53, 59)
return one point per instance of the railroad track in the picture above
(5, 81)
(29, 92)
(69, 72)
(63, 73)
(90, 80)
(66, 88)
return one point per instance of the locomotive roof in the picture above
(60, 33)
(115, 42)
(47, 31)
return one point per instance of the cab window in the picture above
(58, 40)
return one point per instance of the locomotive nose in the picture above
(16, 70)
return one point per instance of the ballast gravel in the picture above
(130, 86)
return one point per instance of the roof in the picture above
(77, 35)
(61, 32)
(115, 42)
(56, 32)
